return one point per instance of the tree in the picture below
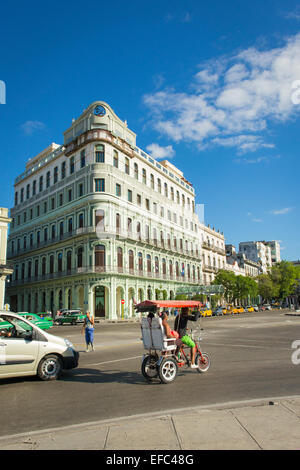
(266, 286)
(285, 278)
(228, 280)
(245, 287)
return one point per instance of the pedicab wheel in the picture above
(149, 367)
(203, 362)
(167, 370)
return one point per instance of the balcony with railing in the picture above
(105, 270)
(102, 233)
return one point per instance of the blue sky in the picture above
(206, 84)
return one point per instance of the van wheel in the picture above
(49, 368)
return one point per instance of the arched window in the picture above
(99, 219)
(69, 260)
(156, 264)
(171, 268)
(138, 231)
(120, 259)
(29, 270)
(61, 229)
(36, 267)
(80, 257)
(131, 260)
(100, 256)
(43, 266)
(164, 267)
(140, 261)
(59, 262)
(149, 264)
(81, 220)
(118, 223)
(51, 264)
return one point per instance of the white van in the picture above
(25, 349)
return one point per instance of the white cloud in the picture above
(160, 152)
(232, 100)
(252, 161)
(29, 127)
(257, 220)
(286, 210)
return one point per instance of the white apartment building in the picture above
(259, 252)
(99, 224)
(275, 251)
(240, 264)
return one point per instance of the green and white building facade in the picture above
(99, 224)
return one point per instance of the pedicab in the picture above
(162, 358)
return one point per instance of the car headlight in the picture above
(69, 344)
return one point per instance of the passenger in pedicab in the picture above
(169, 332)
(181, 326)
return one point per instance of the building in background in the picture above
(275, 251)
(5, 268)
(258, 251)
(240, 264)
(213, 252)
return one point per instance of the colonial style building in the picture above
(5, 269)
(99, 224)
(213, 253)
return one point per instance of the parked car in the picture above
(218, 312)
(256, 308)
(70, 316)
(227, 311)
(206, 312)
(45, 315)
(42, 323)
(232, 309)
(249, 308)
(267, 306)
(240, 309)
(28, 350)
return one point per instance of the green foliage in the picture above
(181, 297)
(228, 280)
(280, 282)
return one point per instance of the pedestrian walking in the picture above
(89, 328)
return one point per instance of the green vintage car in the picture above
(70, 316)
(42, 323)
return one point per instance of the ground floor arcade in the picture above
(110, 297)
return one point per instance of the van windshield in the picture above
(19, 328)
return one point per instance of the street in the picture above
(251, 357)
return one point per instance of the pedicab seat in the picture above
(154, 337)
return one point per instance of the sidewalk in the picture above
(272, 424)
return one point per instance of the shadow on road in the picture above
(87, 375)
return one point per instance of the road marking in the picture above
(242, 346)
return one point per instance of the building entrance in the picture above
(100, 301)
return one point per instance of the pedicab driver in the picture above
(181, 325)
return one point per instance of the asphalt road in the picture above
(251, 359)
